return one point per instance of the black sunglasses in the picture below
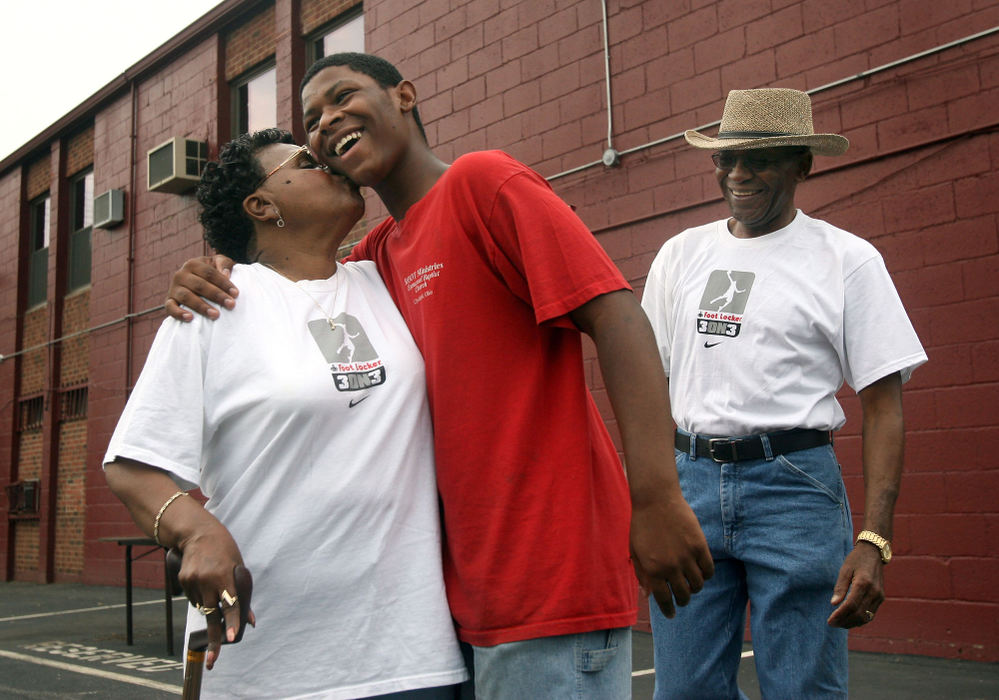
(726, 160)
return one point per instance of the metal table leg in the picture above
(128, 593)
(168, 595)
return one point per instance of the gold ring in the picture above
(204, 609)
(228, 600)
(869, 615)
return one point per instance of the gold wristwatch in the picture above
(883, 545)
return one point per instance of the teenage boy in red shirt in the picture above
(496, 277)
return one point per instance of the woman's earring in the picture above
(280, 221)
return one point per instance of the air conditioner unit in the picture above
(23, 499)
(109, 209)
(175, 165)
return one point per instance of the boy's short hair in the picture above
(378, 69)
(224, 185)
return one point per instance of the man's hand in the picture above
(859, 588)
(200, 279)
(669, 552)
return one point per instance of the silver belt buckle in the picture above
(711, 450)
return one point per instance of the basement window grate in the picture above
(30, 413)
(73, 403)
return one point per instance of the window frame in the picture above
(311, 40)
(80, 232)
(38, 255)
(243, 81)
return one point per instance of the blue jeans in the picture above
(590, 665)
(778, 530)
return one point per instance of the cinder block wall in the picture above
(919, 182)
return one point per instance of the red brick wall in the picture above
(10, 203)
(70, 497)
(74, 364)
(75, 354)
(316, 13)
(33, 364)
(39, 177)
(80, 151)
(26, 549)
(30, 442)
(70, 500)
(249, 44)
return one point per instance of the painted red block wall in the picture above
(918, 182)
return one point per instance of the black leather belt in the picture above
(738, 449)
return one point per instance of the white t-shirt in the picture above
(314, 448)
(759, 334)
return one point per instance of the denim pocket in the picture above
(594, 660)
(817, 468)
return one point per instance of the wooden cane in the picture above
(197, 641)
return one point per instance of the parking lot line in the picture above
(650, 671)
(80, 610)
(110, 675)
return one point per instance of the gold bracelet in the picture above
(156, 523)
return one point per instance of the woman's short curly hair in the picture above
(226, 183)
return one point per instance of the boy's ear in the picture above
(259, 207)
(406, 92)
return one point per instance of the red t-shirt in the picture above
(535, 503)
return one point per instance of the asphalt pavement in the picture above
(69, 641)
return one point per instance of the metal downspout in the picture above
(130, 260)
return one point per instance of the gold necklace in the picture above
(336, 292)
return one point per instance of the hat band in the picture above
(754, 134)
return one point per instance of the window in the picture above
(73, 403)
(346, 34)
(30, 413)
(255, 102)
(81, 195)
(38, 251)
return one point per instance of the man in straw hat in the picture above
(760, 318)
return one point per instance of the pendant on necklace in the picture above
(332, 324)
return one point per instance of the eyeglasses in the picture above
(726, 160)
(301, 151)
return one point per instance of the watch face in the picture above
(886, 553)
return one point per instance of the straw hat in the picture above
(766, 118)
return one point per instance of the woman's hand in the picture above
(197, 280)
(208, 577)
(210, 554)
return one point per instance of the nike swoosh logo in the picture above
(711, 345)
(354, 402)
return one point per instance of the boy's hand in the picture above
(668, 548)
(200, 279)
(669, 552)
